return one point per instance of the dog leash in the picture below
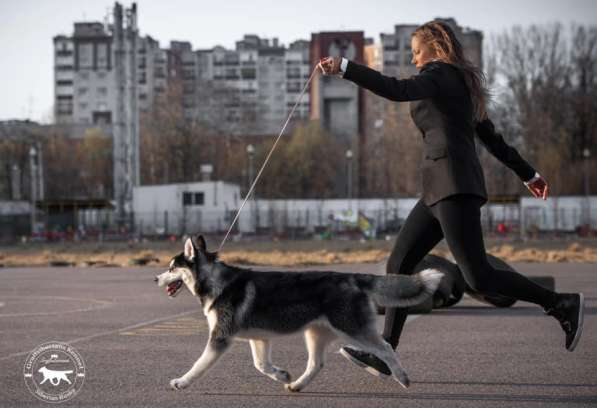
(268, 157)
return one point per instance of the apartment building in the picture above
(249, 90)
(84, 74)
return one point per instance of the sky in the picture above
(27, 28)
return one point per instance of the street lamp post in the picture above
(251, 154)
(33, 182)
(349, 177)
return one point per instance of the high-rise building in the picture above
(249, 90)
(84, 74)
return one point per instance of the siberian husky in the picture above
(258, 306)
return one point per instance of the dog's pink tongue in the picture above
(171, 287)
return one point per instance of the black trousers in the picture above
(457, 219)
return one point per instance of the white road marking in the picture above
(108, 332)
(102, 304)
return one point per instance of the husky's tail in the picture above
(404, 290)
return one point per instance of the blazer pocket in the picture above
(435, 153)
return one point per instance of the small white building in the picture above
(205, 206)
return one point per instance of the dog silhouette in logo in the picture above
(54, 376)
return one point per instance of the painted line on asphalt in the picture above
(108, 332)
(102, 304)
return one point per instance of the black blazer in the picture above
(441, 108)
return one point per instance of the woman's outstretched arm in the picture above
(422, 86)
(509, 156)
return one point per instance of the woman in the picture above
(448, 99)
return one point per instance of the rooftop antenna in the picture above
(107, 18)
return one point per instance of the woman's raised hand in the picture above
(330, 65)
(538, 188)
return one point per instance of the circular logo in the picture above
(54, 372)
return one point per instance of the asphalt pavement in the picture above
(134, 339)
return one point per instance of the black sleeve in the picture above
(422, 86)
(508, 155)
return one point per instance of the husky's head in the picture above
(185, 267)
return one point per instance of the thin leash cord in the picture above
(267, 159)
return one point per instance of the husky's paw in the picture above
(283, 376)
(179, 384)
(403, 380)
(293, 387)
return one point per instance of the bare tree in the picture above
(546, 88)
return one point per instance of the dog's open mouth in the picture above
(173, 288)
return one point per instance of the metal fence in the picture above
(289, 222)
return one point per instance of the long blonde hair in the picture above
(442, 40)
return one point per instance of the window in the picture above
(102, 118)
(64, 53)
(102, 56)
(293, 87)
(248, 73)
(64, 104)
(85, 55)
(231, 73)
(193, 198)
(294, 72)
(187, 198)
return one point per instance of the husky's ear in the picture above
(201, 243)
(189, 249)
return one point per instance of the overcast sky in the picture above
(28, 26)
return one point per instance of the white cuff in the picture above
(343, 65)
(535, 178)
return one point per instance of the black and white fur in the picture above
(258, 306)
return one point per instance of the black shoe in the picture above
(368, 361)
(569, 310)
